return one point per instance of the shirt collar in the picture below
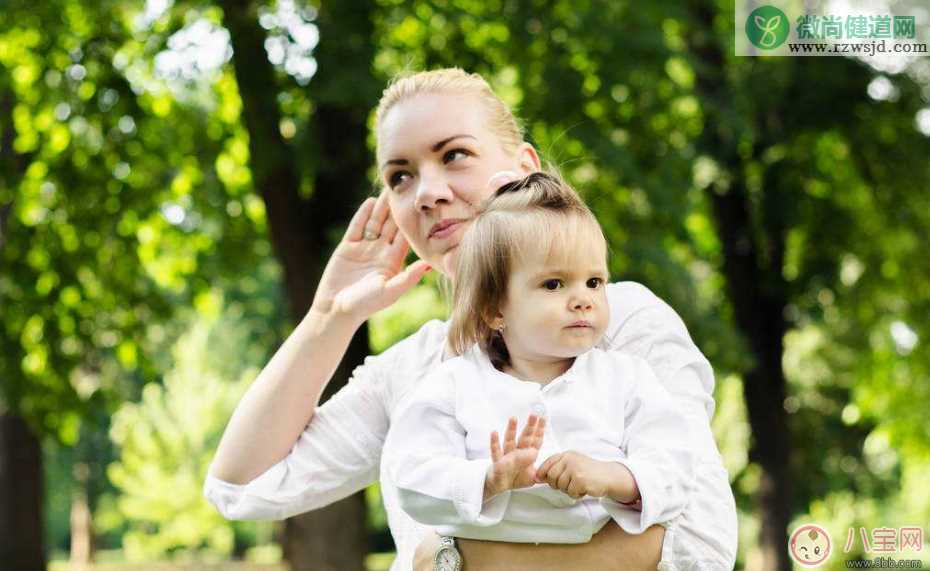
(569, 376)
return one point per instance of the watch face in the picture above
(448, 559)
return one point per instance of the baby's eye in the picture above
(595, 283)
(817, 550)
(454, 155)
(552, 284)
(397, 178)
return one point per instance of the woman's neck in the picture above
(538, 371)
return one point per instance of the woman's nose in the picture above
(431, 191)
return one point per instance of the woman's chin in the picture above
(449, 261)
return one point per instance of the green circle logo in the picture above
(767, 27)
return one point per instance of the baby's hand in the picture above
(512, 467)
(578, 475)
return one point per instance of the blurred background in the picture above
(174, 174)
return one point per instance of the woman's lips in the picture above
(444, 228)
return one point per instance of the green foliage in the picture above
(128, 200)
(166, 442)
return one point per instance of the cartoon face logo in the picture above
(810, 545)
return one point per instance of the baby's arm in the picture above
(436, 483)
(659, 453)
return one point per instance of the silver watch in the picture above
(447, 558)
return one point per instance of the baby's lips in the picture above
(501, 178)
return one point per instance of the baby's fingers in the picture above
(555, 475)
(543, 472)
(539, 433)
(495, 447)
(575, 488)
(528, 436)
(510, 436)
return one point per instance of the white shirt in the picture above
(608, 406)
(339, 453)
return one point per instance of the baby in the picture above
(602, 440)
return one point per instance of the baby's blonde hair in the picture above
(501, 120)
(539, 216)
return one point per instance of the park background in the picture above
(173, 176)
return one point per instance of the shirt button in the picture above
(539, 409)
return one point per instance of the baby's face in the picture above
(557, 310)
(810, 545)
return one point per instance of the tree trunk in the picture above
(333, 538)
(21, 478)
(759, 311)
(21, 493)
(82, 528)
(5, 210)
(756, 289)
(12, 163)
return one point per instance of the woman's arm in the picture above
(610, 549)
(282, 399)
(362, 277)
(644, 325)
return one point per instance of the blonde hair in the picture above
(540, 215)
(501, 120)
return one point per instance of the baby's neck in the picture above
(542, 372)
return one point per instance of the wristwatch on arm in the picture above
(447, 557)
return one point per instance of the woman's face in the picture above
(437, 155)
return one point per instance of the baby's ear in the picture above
(493, 319)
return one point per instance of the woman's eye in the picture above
(552, 284)
(595, 283)
(398, 178)
(454, 155)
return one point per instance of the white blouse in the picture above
(607, 406)
(339, 452)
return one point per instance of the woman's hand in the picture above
(578, 475)
(512, 467)
(366, 271)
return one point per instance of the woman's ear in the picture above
(527, 159)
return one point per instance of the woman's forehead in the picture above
(414, 126)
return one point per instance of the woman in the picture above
(445, 143)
